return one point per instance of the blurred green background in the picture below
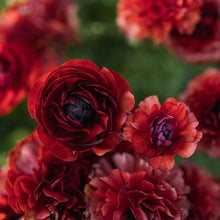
(149, 69)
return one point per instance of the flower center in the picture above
(4, 65)
(78, 109)
(161, 129)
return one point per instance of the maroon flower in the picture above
(80, 107)
(156, 19)
(41, 186)
(203, 44)
(160, 131)
(134, 190)
(6, 212)
(43, 22)
(204, 194)
(203, 97)
(18, 69)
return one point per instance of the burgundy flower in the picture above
(134, 190)
(80, 107)
(160, 131)
(203, 97)
(43, 22)
(204, 194)
(156, 19)
(43, 187)
(6, 212)
(18, 69)
(203, 44)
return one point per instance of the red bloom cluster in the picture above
(204, 194)
(134, 190)
(156, 19)
(42, 21)
(203, 97)
(203, 44)
(80, 107)
(160, 131)
(40, 185)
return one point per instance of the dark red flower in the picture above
(160, 131)
(80, 107)
(156, 19)
(134, 190)
(204, 194)
(6, 212)
(18, 69)
(203, 44)
(203, 97)
(40, 186)
(43, 22)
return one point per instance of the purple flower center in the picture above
(162, 131)
(78, 110)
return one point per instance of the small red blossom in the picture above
(79, 107)
(160, 131)
(203, 97)
(132, 189)
(156, 19)
(43, 22)
(41, 186)
(204, 194)
(203, 44)
(18, 69)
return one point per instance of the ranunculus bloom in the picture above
(43, 22)
(160, 131)
(80, 107)
(134, 190)
(155, 19)
(6, 212)
(18, 69)
(203, 97)
(42, 187)
(203, 45)
(204, 194)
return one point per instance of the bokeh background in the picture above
(149, 69)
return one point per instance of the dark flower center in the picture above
(4, 65)
(78, 109)
(213, 117)
(162, 131)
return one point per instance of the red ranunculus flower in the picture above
(155, 19)
(18, 69)
(160, 131)
(203, 44)
(43, 22)
(134, 190)
(80, 107)
(204, 194)
(6, 212)
(203, 97)
(42, 187)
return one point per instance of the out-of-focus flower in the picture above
(40, 186)
(80, 107)
(44, 22)
(160, 131)
(204, 194)
(18, 69)
(203, 44)
(132, 189)
(6, 212)
(203, 97)
(156, 19)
